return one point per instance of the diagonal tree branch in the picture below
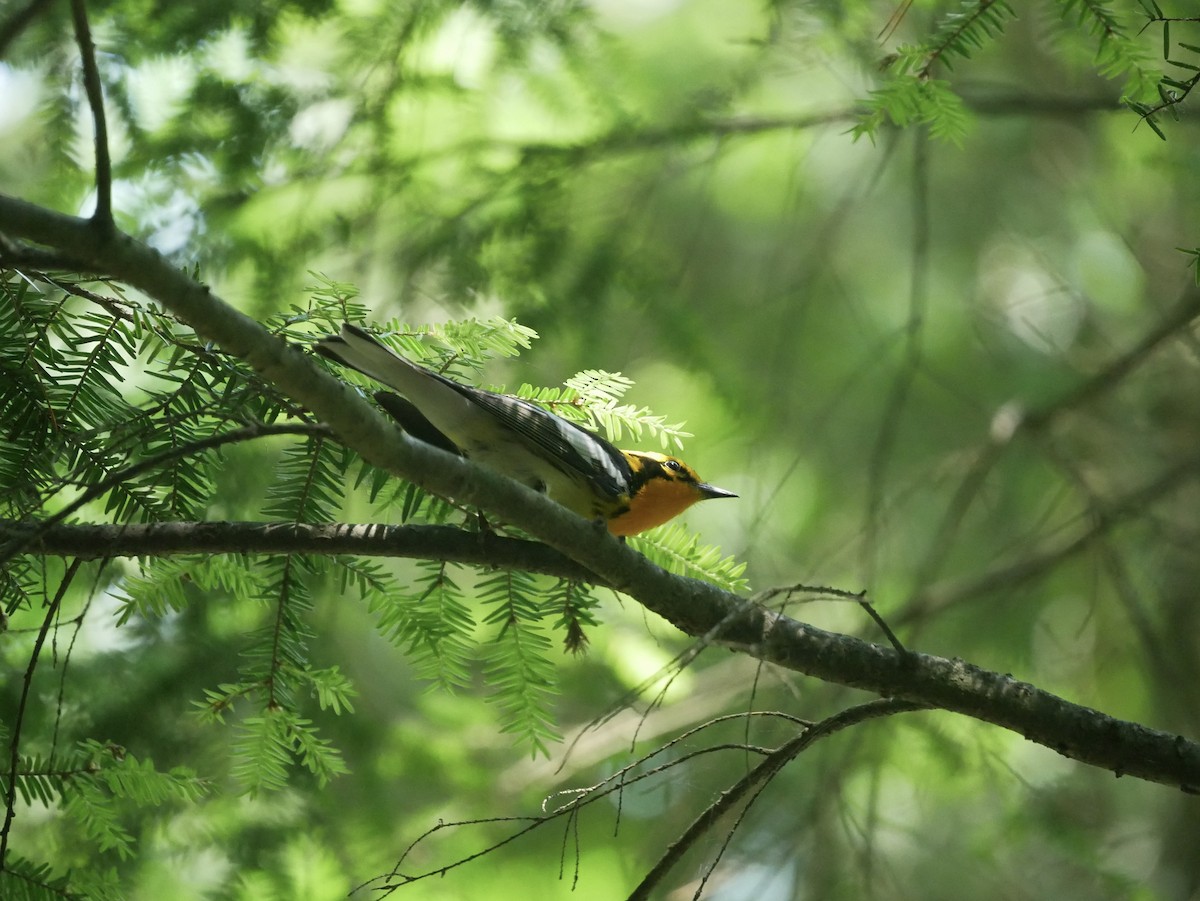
(695, 607)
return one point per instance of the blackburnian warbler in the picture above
(630, 490)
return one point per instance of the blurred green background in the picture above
(851, 330)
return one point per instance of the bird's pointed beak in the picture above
(711, 491)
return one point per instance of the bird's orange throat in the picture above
(658, 501)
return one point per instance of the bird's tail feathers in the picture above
(359, 350)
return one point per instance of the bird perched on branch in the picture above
(629, 490)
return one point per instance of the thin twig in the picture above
(10, 801)
(893, 23)
(881, 623)
(578, 798)
(116, 308)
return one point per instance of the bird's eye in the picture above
(673, 465)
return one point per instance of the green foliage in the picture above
(308, 483)
(1119, 52)
(1172, 92)
(97, 787)
(163, 585)
(576, 609)
(332, 689)
(592, 398)
(677, 550)
(962, 33)
(27, 880)
(519, 671)
(109, 775)
(268, 743)
(73, 425)
(913, 96)
(1194, 262)
(113, 396)
(658, 186)
(431, 621)
(911, 100)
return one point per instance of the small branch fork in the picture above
(818, 592)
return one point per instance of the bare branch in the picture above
(102, 217)
(117, 309)
(164, 539)
(569, 802)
